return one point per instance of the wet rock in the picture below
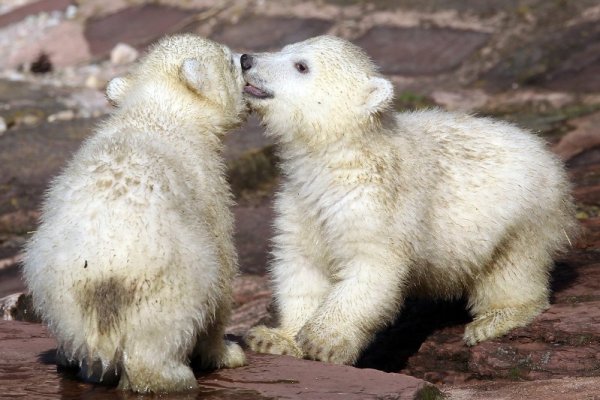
(28, 356)
(260, 33)
(291, 378)
(420, 51)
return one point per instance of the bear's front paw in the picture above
(272, 341)
(327, 345)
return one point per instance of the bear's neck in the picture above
(354, 139)
(175, 116)
(350, 149)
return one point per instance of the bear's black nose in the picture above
(246, 61)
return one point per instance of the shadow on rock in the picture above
(563, 277)
(419, 320)
(399, 348)
(47, 357)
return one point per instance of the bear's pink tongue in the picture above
(254, 91)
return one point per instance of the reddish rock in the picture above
(27, 369)
(579, 70)
(572, 388)
(137, 26)
(420, 51)
(64, 45)
(563, 341)
(11, 281)
(563, 57)
(37, 7)
(247, 288)
(253, 230)
(250, 137)
(576, 285)
(589, 157)
(585, 136)
(31, 157)
(252, 299)
(259, 33)
(251, 159)
(585, 175)
(587, 194)
(291, 378)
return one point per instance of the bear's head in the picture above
(323, 84)
(185, 69)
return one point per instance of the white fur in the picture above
(376, 206)
(132, 264)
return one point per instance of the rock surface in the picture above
(532, 62)
(28, 370)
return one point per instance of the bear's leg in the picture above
(300, 281)
(511, 290)
(216, 352)
(155, 359)
(299, 290)
(366, 299)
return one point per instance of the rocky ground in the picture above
(533, 62)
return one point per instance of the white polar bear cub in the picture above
(376, 206)
(132, 264)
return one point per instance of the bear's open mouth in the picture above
(257, 92)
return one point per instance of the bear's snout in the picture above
(246, 60)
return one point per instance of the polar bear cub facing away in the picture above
(376, 206)
(132, 264)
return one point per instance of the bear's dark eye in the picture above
(301, 67)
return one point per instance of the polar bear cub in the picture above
(132, 264)
(377, 205)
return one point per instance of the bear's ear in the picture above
(194, 74)
(115, 90)
(380, 95)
